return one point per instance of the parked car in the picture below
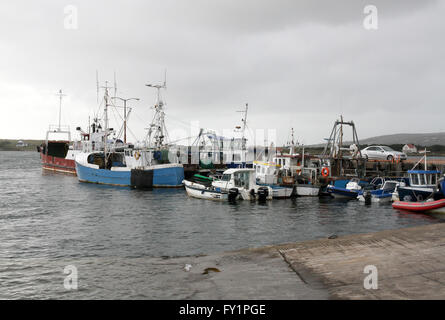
(382, 153)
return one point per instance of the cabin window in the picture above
(433, 179)
(258, 169)
(226, 177)
(422, 179)
(241, 179)
(415, 179)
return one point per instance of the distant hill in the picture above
(419, 139)
(11, 145)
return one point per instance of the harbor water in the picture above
(118, 235)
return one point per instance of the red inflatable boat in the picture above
(430, 206)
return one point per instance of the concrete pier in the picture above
(410, 264)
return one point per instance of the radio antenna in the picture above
(61, 95)
(97, 86)
(115, 84)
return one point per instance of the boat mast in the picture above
(106, 122)
(157, 127)
(244, 121)
(61, 95)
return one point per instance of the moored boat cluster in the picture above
(223, 172)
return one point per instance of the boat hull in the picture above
(437, 206)
(103, 176)
(164, 176)
(279, 192)
(342, 193)
(168, 176)
(377, 198)
(308, 190)
(57, 164)
(414, 194)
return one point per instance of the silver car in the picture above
(382, 153)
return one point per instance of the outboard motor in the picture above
(252, 194)
(233, 194)
(367, 196)
(263, 193)
(294, 192)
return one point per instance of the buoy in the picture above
(325, 172)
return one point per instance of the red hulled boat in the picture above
(437, 206)
(58, 155)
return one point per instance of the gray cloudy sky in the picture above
(297, 63)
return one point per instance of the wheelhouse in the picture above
(236, 178)
(423, 178)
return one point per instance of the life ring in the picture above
(137, 155)
(325, 172)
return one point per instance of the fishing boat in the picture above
(306, 184)
(429, 206)
(143, 167)
(236, 183)
(267, 175)
(287, 173)
(57, 152)
(422, 184)
(383, 191)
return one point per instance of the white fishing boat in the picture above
(267, 175)
(307, 183)
(235, 184)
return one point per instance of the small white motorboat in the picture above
(197, 190)
(235, 184)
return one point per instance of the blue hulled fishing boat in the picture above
(124, 165)
(422, 184)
